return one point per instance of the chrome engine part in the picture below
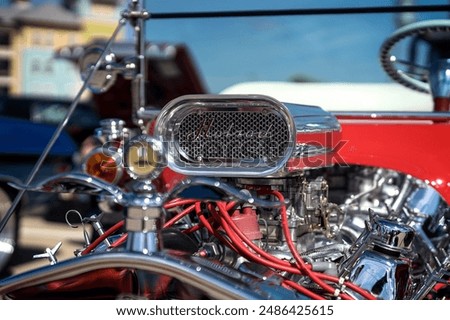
(226, 136)
(389, 234)
(381, 260)
(245, 136)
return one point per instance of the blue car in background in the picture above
(21, 143)
(49, 110)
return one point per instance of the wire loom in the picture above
(235, 239)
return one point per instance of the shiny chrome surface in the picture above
(436, 276)
(392, 235)
(318, 134)
(143, 225)
(143, 242)
(146, 195)
(440, 78)
(426, 205)
(396, 116)
(386, 277)
(220, 135)
(103, 78)
(424, 200)
(312, 119)
(380, 260)
(428, 215)
(217, 285)
(111, 129)
(144, 157)
(73, 182)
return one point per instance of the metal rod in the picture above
(444, 116)
(211, 281)
(138, 95)
(59, 129)
(300, 12)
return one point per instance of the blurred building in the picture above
(30, 35)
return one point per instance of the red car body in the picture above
(418, 147)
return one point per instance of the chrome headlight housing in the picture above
(226, 135)
(144, 157)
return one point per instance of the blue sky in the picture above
(327, 48)
(339, 48)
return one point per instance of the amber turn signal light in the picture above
(104, 166)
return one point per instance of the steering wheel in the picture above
(435, 33)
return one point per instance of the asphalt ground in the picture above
(42, 225)
(37, 234)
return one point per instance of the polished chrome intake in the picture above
(318, 134)
(226, 136)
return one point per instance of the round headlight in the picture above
(144, 157)
(103, 165)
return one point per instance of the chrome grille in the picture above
(231, 136)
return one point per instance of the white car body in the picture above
(334, 97)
